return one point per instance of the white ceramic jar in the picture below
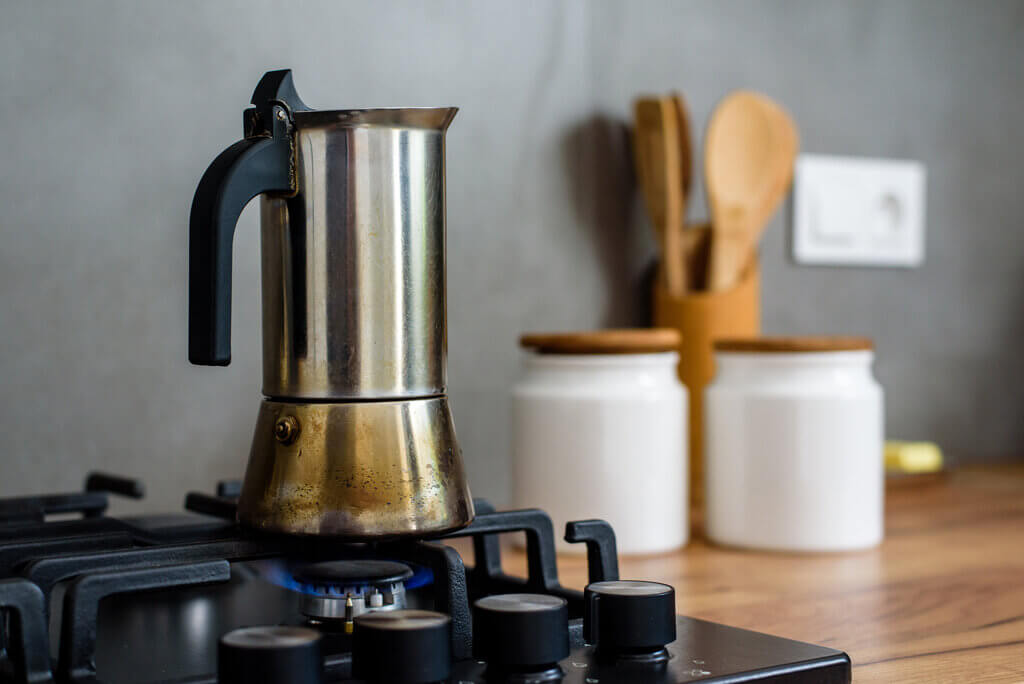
(598, 432)
(794, 445)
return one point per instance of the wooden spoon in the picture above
(749, 151)
(656, 151)
(789, 147)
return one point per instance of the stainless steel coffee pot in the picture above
(354, 437)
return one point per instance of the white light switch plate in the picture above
(858, 212)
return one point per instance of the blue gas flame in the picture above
(281, 573)
(421, 577)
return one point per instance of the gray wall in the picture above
(110, 112)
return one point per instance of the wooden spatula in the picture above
(685, 146)
(656, 150)
(749, 151)
(693, 268)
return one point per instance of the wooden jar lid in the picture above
(624, 341)
(793, 344)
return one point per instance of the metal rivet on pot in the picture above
(286, 429)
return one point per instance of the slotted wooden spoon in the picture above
(749, 151)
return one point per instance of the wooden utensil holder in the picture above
(703, 317)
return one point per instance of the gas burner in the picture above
(338, 591)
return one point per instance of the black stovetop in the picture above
(146, 599)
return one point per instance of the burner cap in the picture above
(338, 591)
(347, 573)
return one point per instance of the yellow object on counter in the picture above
(912, 457)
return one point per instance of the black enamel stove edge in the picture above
(705, 652)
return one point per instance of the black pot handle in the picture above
(262, 162)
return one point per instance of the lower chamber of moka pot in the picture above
(359, 470)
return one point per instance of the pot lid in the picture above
(776, 345)
(621, 341)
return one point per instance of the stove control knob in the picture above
(402, 647)
(270, 654)
(629, 618)
(522, 632)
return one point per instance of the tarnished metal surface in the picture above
(354, 264)
(356, 439)
(364, 470)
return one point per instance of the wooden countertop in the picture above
(942, 599)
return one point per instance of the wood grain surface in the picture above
(610, 341)
(942, 599)
(807, 343)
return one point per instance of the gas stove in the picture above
(191, 597)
